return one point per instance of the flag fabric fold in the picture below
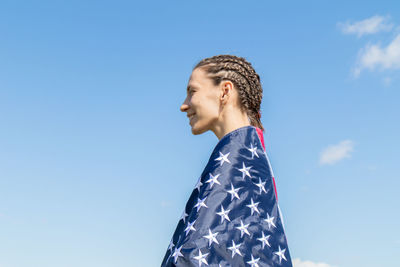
(232, 217)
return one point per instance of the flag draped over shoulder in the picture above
(232, 217)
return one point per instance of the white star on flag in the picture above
(177, 253)
(253, 151)
(235, 249)
(171, 245)
(211, 237)
(213, 180)
(190, 227)
(223, 158)
(198, 185)
(200, 203)
(201, 258)
(261, 185)
(281, 254)
(243, 228)
(253, 207)
(224, 214)
(253, 261)
(264, 240)
(234, 192)
(245, 171)
(270, 221)
(183, 217)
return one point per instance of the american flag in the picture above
(232, 217)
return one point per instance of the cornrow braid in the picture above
(242, 74)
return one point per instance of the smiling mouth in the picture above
(191, 117)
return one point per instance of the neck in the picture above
(230, 121)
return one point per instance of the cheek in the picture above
(213, 106)
(206, 107)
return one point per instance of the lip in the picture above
(191, 116)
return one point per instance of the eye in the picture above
(191, 90)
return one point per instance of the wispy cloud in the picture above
(299, 263)
(371, 25)
(335, 153)
(374, 56)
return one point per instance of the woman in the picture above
(232, 217)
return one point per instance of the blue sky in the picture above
(97, 162)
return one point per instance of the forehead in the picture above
(198, 79)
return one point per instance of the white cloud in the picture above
(371, 25)
(375, 56)
(298, 263)
(334, 153)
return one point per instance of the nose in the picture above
(185, 105)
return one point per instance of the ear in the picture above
(226, 91)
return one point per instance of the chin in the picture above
(198, 130)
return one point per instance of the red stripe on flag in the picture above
(261, 136)
(276, 193)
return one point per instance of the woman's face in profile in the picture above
(202, 102)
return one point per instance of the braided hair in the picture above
(241, 73)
